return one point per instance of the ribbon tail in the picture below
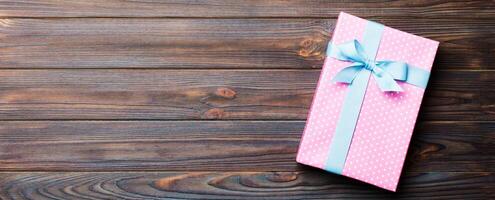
(386, 82)
(348, 74)
(398, 70)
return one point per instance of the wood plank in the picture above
(246, 8)
(209, 94)
(215, 146)
(216, 43)
(309, 184)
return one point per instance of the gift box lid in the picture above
(381, 134)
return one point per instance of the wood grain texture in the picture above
(247, 8)
(216, 146)
(209, 94)
(239, 185)
(217, 43)
(187, 99)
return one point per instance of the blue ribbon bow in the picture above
(386, 72)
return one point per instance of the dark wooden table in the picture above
(150, 99)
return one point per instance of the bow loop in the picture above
(351, 51)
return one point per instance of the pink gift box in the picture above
(386, 120)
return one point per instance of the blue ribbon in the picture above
(357, 74)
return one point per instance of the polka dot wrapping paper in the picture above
(386, 120)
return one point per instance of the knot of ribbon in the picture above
(385, 72)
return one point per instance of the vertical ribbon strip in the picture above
(353, 101)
